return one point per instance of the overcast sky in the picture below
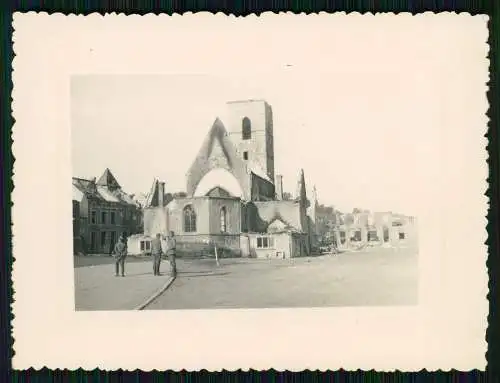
(362, 112)
(349, 131)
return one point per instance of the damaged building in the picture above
(233, 198)
(102, 211)
(375, 229)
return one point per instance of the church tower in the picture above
(250, 127)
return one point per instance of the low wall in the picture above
(228, 246)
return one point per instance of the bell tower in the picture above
(250, 127)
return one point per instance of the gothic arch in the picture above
(223, 220)
(189, 218)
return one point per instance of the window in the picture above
(401, 235)
(103, 238)
(145, 245)
(189, 220)
(103, 217)
(356, 236)
(223, 220)
(245, 156)
(93, 217)
(265, 242)
(112, 217)
(246, 129)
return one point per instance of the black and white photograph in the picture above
(258, 209)
(277, 191)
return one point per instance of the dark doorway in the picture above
(386, 234)
(357, 236)
(372, 235)
(93, 241)
(113, 242)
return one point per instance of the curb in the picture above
(156, 295)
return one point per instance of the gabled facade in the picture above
(103, 212)
(232, 196)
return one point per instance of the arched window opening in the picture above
(189, 220)
(246, 129)
(223, 220)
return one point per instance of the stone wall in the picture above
(155, 221)
(197, 245)
(233, 215)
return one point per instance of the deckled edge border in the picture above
(492, 193)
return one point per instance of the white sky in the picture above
(348, 111)
(143, 127)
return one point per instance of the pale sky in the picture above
(349, 131)
(362, 111)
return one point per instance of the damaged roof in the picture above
(106, 189)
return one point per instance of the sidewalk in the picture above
(97, 288)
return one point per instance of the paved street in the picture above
(96, 287)
(378, 277)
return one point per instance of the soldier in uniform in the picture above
(156, 253)
(171, 252)
(120, 253)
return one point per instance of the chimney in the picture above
(161, 193)
(278, 187)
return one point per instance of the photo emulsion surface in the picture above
(313, 180)
(264, 207)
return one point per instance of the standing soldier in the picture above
(171, 252)
(120, 252)
(156, 254)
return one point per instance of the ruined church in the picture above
(234, 199)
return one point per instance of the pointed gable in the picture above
(108, 179)
(217, 152)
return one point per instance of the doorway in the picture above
(112, 242)
(386, 234)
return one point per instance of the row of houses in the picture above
(102, 212)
